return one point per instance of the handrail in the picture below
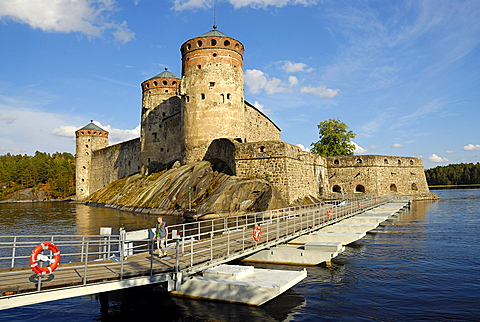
(201, 244)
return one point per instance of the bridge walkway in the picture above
(93, 264)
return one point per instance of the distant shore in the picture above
(455, 186)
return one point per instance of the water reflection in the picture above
(70, 219)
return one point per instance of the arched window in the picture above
(360, 188)
(213, 42)
(226, 43)
(336, 161)
(385, 161)
(359, 160)
(393, 187)
(399, 161)
(414, 186)
(199, 43)
(336, 188)
(411, 162)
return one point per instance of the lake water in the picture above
(423, 266)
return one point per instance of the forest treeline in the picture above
(454, 174)
(54, 173)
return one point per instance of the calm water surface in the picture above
(425, 265)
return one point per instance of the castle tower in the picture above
(213, 92)
(88, 139)
(160, 123)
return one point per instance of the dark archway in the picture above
(393, 187)
(336, 188)
(360, 188)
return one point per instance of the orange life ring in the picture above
(257, 233)
(359, 204)
(34, 258)
(329, 213)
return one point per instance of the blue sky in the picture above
(403, 75)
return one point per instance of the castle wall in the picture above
(376, 175)
(259, 127)
(113, 163)
(295, 173)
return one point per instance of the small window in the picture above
(262, 149)
(199, 43)
(188, 99)
(214, 55)
(360, 188)
(414, 186)
(189, 46)
(174, 83)
(399, 161)
(336, 188)
(202, 96)
(199, 66)
(164, 82)
(212, 84)
(385, 161)
(155, 83)
(393, 187)
(226, 43)
(359, 160)
(228, 96)
(214, 42)
(411, 162)
(336, 161)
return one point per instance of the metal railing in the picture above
(197, 245)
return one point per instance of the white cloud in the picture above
(472, 147)
(194, 4)
(256, 81)
(397, 145)
(261, 108)
(321, 91)
(359, 149)
(436, 159)
(293, 81)
(303, 147)
(291, 67)
(7, 119)
(449, 152)
(83, 16)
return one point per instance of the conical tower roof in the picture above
(92, 127)
(166, 74)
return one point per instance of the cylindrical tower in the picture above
(213, 91)
(88, 139)
(160, 129)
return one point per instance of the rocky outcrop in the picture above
(194, 185)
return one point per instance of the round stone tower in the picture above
(213, 92)
(160, 123)
(88, 139)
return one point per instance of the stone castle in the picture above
(203, 115)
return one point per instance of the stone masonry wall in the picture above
(295, 173)
(376, 175)
(113, 163)
(259, 127)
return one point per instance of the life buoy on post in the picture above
(257, 233)
(329, 213)
(359, 205)
(35, 257)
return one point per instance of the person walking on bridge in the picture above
(161, 234)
